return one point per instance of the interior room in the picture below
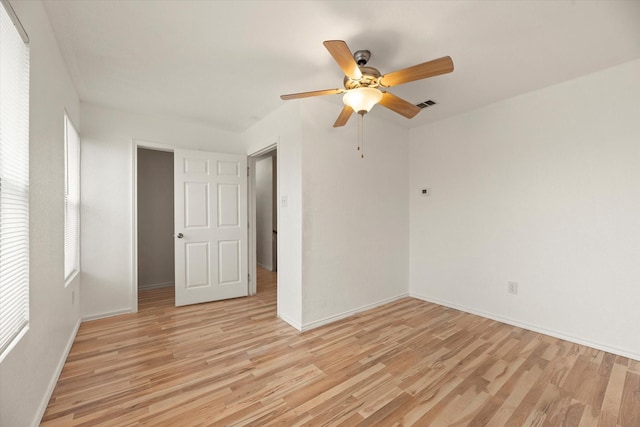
(475, 264)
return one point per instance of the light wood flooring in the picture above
(406, 363)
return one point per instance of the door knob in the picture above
(180, 236)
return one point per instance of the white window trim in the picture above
(14, 181)
(71, 195)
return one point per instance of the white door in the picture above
(210, 226)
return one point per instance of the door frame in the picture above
(251, 206)
(251, 194)
(136, 143)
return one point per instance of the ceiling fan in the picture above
(364, 86)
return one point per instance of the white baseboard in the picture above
(534, 328)
(344, 314)
(294, 324)
(155, 286)
(54, 380)
(107, 314)
(265, 266)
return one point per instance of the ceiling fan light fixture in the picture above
(362, 99)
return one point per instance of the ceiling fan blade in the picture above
(421, 71)
(343, 118)
(343, 56)
(399, 105)
(310, 94)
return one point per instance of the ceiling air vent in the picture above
(425, 104)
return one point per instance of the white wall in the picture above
(355, 214)
(29, 372)
(343, 237)
(107, 185)
(283, 126)
(264, 211)
(543, 190)
(156, 266)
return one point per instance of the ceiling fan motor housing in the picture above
(370, 75)
(370, 78)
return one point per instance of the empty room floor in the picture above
(405, 363)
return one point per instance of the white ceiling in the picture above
(227, 62)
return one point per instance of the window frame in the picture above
(14, 180)
(71, 200)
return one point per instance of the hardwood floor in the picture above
(406, 363)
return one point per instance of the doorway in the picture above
(264, 202)
(266, 212)
(156, 267)
(201, 198)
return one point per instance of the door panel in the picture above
(196, 204)
(198, 260)
(228, 205)
(196, 166)
(211, 215)
(229, 262)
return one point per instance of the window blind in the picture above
(71, 199)
(14, 184)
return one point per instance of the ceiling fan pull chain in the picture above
(360, 130)
(362, 142)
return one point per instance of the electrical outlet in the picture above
(512, 288)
